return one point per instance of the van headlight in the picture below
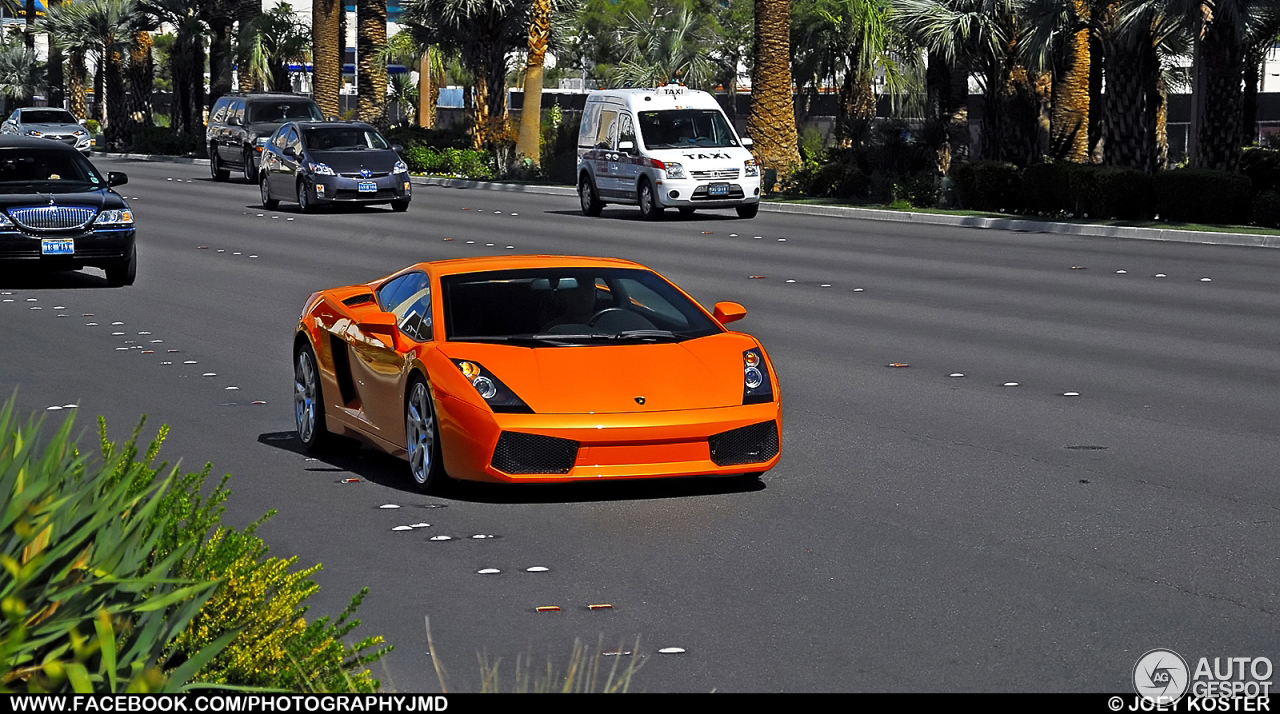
(675, 171)
(751, 167)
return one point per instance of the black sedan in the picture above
(316, 163)
(57, 212)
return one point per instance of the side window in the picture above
(219, 113)
(587, 133)
(408, 297)
(237, 111)
(627, 131)
(16, 116)
(607, 133)
(292, 140)
(278, 140)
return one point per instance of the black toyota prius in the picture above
(334, 162)
(58, 212)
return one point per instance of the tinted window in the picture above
(343, 138)
(236, 110)
(567, 301)
(47, 116)
(408, 297)
(292, 140)
(284, 110)
(277, 140)
(607, 133)
(683, 128)
(219, 113)
(25, 170)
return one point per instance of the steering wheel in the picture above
(601, 313)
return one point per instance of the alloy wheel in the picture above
(304, 397)
(419, 433)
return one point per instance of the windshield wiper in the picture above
(650, 335)
(539, 340)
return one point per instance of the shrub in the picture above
(161, 140)
(86, 604)
(988, 186)
(920, 190)
(465, 163)
(1045, 187)
(444, 138)
(1114, 192)
(1262, 166)
(1266, 209)
(1202, 196)
(91, 125)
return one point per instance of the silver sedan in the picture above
(48, 123)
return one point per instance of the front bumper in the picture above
(83, 144)
(695, 193)
(97, 248)
(344, 189)
(608, 446)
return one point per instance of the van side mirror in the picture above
(746, 141)
(627, 146)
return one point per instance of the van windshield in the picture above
(681, 128)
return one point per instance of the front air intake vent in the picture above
(753, 444)
(518, 453)
(358, 299)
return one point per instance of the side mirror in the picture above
(397, 148)
(117, 178)
(290, 152)
(746, 141)
(381, 325)
(233, 121)
(726, 312)
(82, 122)
(627, 146)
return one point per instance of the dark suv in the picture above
(239, 125)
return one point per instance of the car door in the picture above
(271, 163)
(287, 176)
(606, 168)
(378, 362)
(628, 172)
(232, 130)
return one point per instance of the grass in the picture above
(1252, 230)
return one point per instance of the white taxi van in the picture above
(659, 148)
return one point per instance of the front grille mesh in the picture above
(48, 218)
(753, 444)
(518, 453)
(715, 174)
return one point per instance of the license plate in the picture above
(57, 246)
(367, 187)
(718, 189)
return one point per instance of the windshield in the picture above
(344, 139)
(569, 306)
(24, 170)
(47, 116)
(279, 112)
(683, 128)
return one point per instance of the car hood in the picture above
(695, 374)
(75, 195)
(60, 128)
(381, 160)
(263, 128)
(699, 159)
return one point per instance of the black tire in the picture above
(122, 273)
(267, 201)
(308, 402)
(748, 210)
(304, 198)
(589, 198)
(422, 437)
(216, 171)
(250, 169)
(400, 206)
(650, 210)
(686, 211)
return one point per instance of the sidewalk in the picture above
(868, 214)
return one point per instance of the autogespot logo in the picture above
(1161, 676)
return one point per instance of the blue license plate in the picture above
(57, 246)
(718, 189)
(367, 187)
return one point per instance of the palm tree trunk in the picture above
(75, 84)
(117, 110)
(772, 121)
(29, 36)
(56, 75)
(426, 89)
(371, 79)
(528, 145)
(326, 59)
(219, 58)
(1221, 63)
(1249, 114)
(480, 108)
(141, 76)
(1070, 118)
(247, 12)
(1129, 139)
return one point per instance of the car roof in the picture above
(267, 95)
(457, 266)
(31, 142)
(321, 124)
(668, 96)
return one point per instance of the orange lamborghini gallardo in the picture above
(536, 369)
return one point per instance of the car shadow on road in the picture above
(631, 213)
(348, 461)
(58, 280)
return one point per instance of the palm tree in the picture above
(248, 13)
(326, 55)
(772, 121)
(219, 15)
(20, 71)
(269, 44)
(141, 73)
(529, 142)
(480, 33)
(371, 80)
(1262, 34)
(1058, 41)
(664, 45)
(401, 49)
(186, 61)
(1139, 39)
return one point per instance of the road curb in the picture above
(1020, 225)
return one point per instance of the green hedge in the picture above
(988, 186)
(463, 163)
(1086, 190)
(1202, 196)
(1262, 166)
(1266, 209)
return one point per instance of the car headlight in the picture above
(751, 167)
(321, 170)
(675, 171)
(81, 132)
(400, 168)
(261, 140)
(6, 224)
(114, 218)
(491, 389)
(33, 132)
(756, 386)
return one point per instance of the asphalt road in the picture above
(923, 531)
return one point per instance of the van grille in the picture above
(715, 174)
